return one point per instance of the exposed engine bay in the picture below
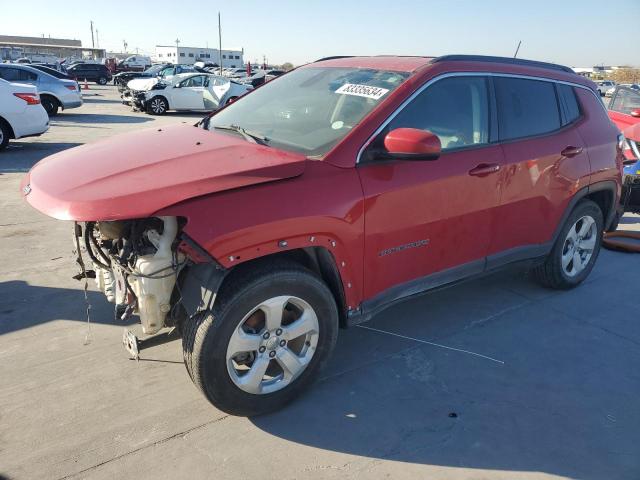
(136, 265)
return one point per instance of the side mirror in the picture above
(412, 144)
(177, 85)
(635, 113)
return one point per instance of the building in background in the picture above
(45, 49)
(598, 71)
(189, 55)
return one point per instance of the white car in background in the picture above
(188, 91)
(21, 113)
(605, 85)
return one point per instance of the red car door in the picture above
(546, 163)
(423, 217)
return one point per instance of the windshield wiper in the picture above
(249, 136)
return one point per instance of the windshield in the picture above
(311, 109)
(155, 69)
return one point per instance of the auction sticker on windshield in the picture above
(362, 91)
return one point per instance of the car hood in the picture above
(136, 174)
(142, 83)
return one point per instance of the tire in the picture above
(209, 337)
(50, 104)
(157, 106)
(563, 275)
(5, 134)
(102, 81)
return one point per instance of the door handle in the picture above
(570, 151)
(484, 169)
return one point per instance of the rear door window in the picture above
(568, 104)
(526, 107)
(9, 74)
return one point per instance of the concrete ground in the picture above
(564, 402)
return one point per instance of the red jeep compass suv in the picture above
(330, 193)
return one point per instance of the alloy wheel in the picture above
(272, 345)
(157, 105)
(578, 246)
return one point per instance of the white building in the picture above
(189, 55)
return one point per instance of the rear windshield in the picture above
(311, 109)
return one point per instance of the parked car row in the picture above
(55, 93)
(162, 70)
(185, 91)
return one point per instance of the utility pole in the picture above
(97, 38)
(220, 43)
(517, 49)
(93, 45)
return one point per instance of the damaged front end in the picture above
(137, 264)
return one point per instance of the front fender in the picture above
(321, 208)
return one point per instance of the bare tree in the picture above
(626, 75)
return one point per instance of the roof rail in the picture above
(505, 60)
(335, 57)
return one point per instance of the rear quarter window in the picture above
(568, 104)
(526, 107)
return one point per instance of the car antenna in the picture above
(517, 49)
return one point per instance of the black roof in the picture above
(504, 60)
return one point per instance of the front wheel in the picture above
(575, 252)
(267, 338)
(102, 81)
(157, 106)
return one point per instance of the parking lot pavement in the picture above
(554, 394)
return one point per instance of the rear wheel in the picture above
(5, 133)
(157, 106)
(267, 338)
(50, 104)
(576, 249)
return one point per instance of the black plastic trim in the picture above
(417, 286)
(334, 57)
(198, 287)
(183, 237)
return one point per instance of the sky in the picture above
(577, 33)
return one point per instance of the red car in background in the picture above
(624, 111)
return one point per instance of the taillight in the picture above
(71, 87)
(30, 98)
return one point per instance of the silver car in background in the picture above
(55, 93)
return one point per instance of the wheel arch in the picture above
(51, 95)
(604, 194)
(201, 282)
